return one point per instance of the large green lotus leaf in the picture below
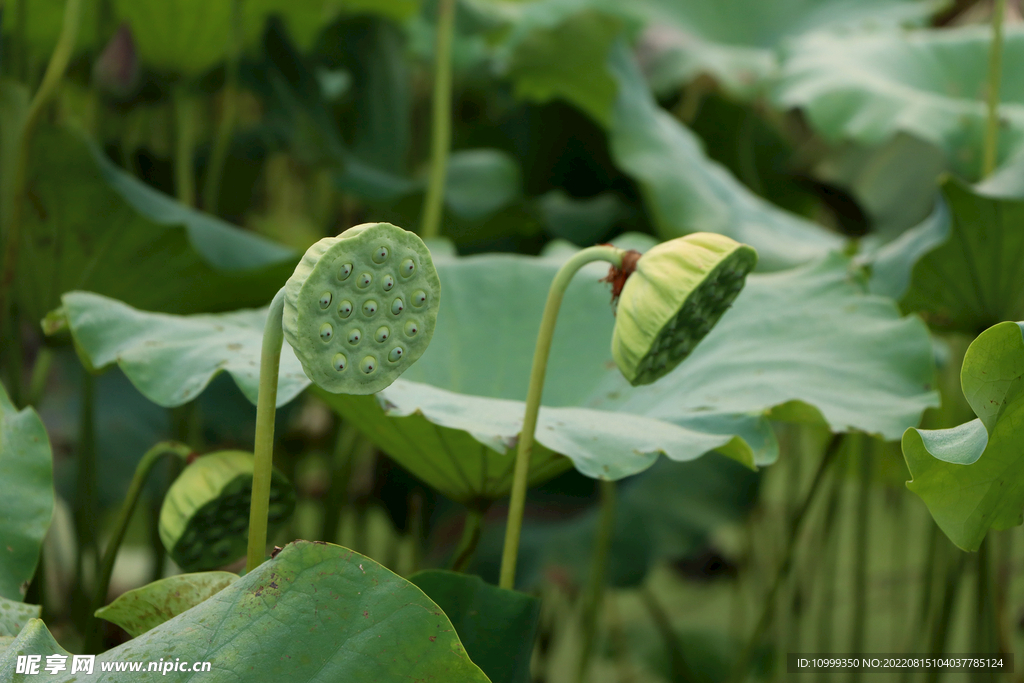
(684, 190)
(14, 615)
(807, 343)
(88, 225)
(969, 276)
(687, 192)
(497, 626)
(43, 22)
(929, 83)
(26, 495)
(171, 359)
(971, 477)
(144, 608)
(316, 612)
(34, 639)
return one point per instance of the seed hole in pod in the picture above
(397, 306)
(345, 308)
(345, 271)
(340, 362)
(381, 255)
(388, 282)
(325, 300)
(411, 329)
(368, 365)
(396, 354)
(354, 336)
(419, 298)
(407, 268)
(382, 334)
(326, 332)
(370, 307)
(364, 280)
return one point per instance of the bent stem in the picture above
(472, 529)
(266, 408)
(521, 477)
(142, 471)
(995, 68)
(595, 584)
(441, 134)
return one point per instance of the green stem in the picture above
(860, 567)
(595, 584)
(85, 497)
(795, 526)
(940, 628)
(995, 67)
(51, 79)
(472, 529)
(184, 141)
(441, 133)
(229, 114)
(678, 665)
(40, 373)
(521, 476)
(345, 446)
(142, 470)
(266, 409)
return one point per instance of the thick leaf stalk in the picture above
(441, 133)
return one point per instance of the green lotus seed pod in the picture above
(204, 520)
(369, 253)
(676, 295)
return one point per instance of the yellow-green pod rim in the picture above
(372, 269)
(678, 292)
(204, 519)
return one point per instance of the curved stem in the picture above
(521, 476)
(266, 409)
(51, 79)
(471, 531)
(229, 115)
(595, 584)
(441, 134)
(142, 471)
(995, 68)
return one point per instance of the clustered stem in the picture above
(266, 408)
(441, 134)
(521, 476)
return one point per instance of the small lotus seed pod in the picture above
(346, 267)
(204, 519)
(676, 295)
(395, 355)
(326, 332)
(340, 362)
(411, 329)
(325, 299)
(382, 334)
(419, 298)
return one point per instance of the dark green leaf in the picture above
(14, 615)
(142, 609)
(496, 626)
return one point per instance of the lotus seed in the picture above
(354, 336)
(364, 280)
(382, 334)
(340, 362)
(411, 329)
(345, 308)
(381, 255)
(345, 271)
(368, 365)
(397, 306)
(325, 300)
(326, 332)
(408, 267)
(395, 354)
(389, 282)
(369, 308)
(419, 298)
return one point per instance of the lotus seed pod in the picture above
(676, 295)
(374, 269)
(204, 520)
